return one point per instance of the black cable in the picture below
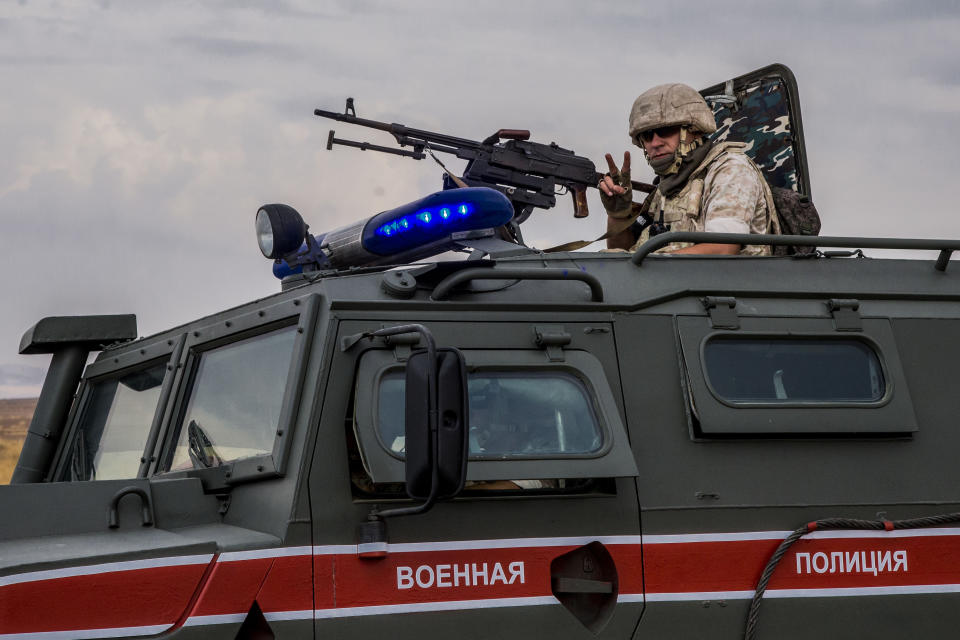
(830, 524)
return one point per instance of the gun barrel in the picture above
(405, 135)
(363, 122)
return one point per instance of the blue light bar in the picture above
(422, 225)
(435, 217)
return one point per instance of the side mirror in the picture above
(436, 436)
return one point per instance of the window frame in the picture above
(300, 313)
(564, 373)
(711, 415)
(614, 458)
(799, 337)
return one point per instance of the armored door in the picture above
(543, 541)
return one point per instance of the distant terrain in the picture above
(15, 415)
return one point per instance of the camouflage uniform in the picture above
(725, 194)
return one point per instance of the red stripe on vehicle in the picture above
(824, 563)
(465, 572)
(231, 587)
(468, 574)
(425, 576)
(153, 596)
(289, 585)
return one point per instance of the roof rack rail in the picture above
(945, 247)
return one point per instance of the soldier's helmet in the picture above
(669, 105)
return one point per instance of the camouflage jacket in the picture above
(725, 194)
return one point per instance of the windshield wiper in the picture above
(201, 450)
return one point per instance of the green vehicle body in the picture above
(664, 424)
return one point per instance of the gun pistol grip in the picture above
(580, 208)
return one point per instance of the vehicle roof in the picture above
(658, 285)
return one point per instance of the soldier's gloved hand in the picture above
(616, 193)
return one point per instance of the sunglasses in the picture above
(662, 133)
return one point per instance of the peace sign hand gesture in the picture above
(616, 192)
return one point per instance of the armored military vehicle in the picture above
(516, 444)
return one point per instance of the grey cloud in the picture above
(170, 123)
(942, 72)
(300, 106)
(233, 47)
(278, 8)
(21, 375)
(91, 216)
(44, 60)
(749, 13)
(887, 12)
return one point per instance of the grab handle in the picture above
(445, 286)
(146, 507)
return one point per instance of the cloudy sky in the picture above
(139, 138)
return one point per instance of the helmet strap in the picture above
(688, 142)
(670, 166)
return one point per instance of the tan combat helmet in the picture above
(668, 105)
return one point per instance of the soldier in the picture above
(702, 185)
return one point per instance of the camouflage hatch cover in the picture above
(762, 109)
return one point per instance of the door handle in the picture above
(580, 585)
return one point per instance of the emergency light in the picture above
(409, 232)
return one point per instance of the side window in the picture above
(512, 415)
(552, 423)
(774, 370)
(779, 376)
(233, 409)
(114, 426)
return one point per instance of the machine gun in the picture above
(528, 173)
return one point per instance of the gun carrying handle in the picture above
(513, 134)
(580, 209)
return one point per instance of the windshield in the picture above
(114, 426)
(235, 401)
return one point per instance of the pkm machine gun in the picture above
(530, 174)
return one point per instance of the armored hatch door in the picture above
(762, 109)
